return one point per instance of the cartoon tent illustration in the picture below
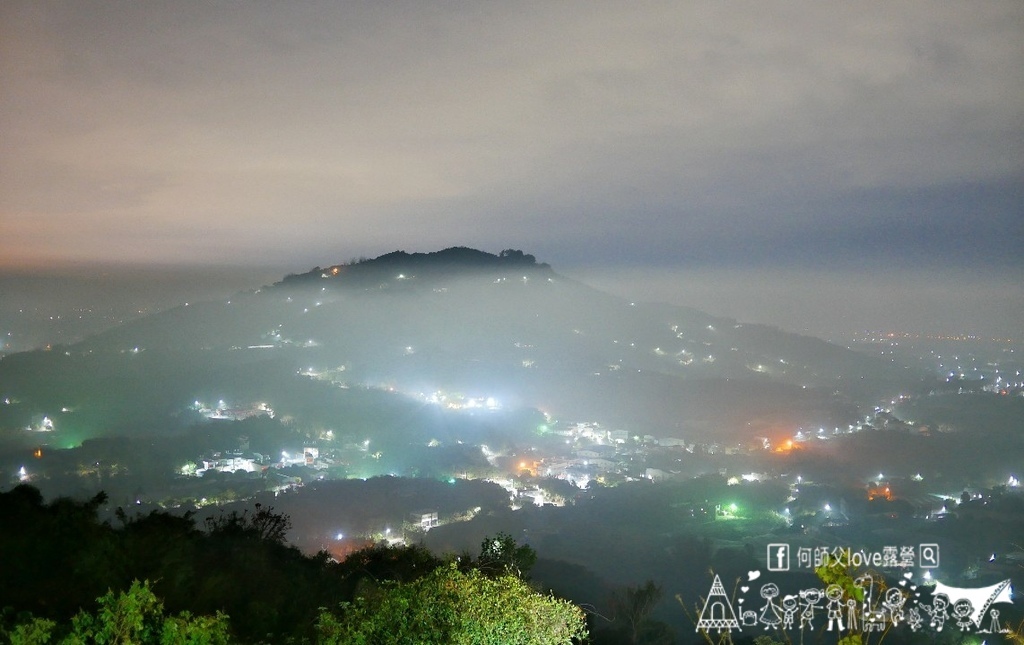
(981, 598)
(717, 613)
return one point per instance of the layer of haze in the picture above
(837, 306)
(63, 305)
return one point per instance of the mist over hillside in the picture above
(66, 304)
(461, 321)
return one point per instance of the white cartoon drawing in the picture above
(834, 593)
(914, 619)
(874, 620)
(981, 598)
(893, 602)
(994, 626)
(718, 612)
(810, 597)
(962, 610)
(937, 611)
(851, 614)
(770, 616)
(867, 583)
(750, 618)
(789, 609)
(970, 609)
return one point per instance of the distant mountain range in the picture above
(463, 321)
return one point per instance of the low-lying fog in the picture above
(63, 305)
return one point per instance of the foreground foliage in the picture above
(450, 606)
(134, 616)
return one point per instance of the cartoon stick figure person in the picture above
(893, 603)
(938, 611)
(770, 613)
(811, 597)
(789, 607)
(962, 610)
(834, 593)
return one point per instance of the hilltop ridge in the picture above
(433, 264)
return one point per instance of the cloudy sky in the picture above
(690, 137)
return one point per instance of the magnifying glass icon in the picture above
(928, 556)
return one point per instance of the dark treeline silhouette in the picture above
(59, 559)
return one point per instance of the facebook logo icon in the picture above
(778, 557)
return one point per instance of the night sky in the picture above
(664, 140)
